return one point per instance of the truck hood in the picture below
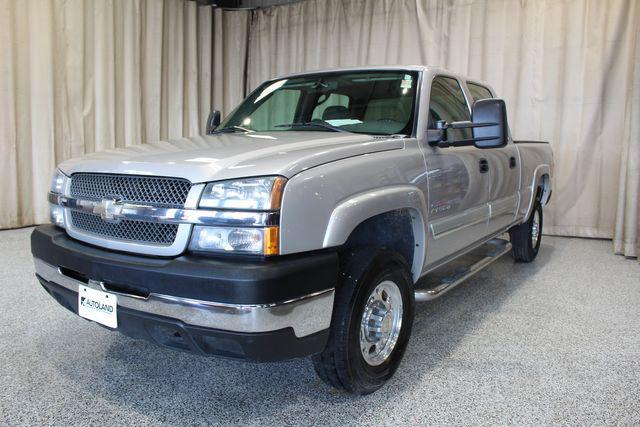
(232, 155)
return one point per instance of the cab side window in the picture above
(479, 92)
(448, 103)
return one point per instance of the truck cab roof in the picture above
(431, 70)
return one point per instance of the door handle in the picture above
(512, 162)
(484, 166)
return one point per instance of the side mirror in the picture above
(213, 121)
(489, 118)
(437, 135)
(488, 124)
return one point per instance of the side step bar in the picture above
(479, 259)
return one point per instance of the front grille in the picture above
(155, 191)
(146, 190)
(132, 231)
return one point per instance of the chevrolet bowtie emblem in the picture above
(109, 209)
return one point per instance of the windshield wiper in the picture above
(231, 129)
(313, 124)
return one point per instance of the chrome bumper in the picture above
(306, 315)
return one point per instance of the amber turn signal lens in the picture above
(276, 192)
(271, 241)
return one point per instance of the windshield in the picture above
(370, 102)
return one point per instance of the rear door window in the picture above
(478, 91)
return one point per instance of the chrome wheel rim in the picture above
(381, 323)
(535, 229)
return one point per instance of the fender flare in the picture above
(530, 193)
(351, 212)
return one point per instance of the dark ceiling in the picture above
(244, 4)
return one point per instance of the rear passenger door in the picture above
(504, 173)
(458, 184)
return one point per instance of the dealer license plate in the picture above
(98, 306)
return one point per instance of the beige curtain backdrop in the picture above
(83, 75)
(78, 76)
(568, 69)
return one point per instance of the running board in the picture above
(447, 277)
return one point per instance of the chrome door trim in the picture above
(455, 223)
(506, 205)
(433, 266)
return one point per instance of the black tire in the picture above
(341, 364)
(523, 247)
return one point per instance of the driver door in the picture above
(458, 181)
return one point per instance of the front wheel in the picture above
(371, 324)
(526, 237)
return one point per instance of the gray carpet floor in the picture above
(552, 342)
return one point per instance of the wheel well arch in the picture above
(544, 188)
(539, 188)
(401, 230)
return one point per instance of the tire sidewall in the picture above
(534, 249)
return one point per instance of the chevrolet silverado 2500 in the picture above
(307, 223)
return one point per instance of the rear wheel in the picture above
(371, 324)
(526, 237)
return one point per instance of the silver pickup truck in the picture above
(307, 223)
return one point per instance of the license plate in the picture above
(98, 306)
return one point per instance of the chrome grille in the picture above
(146, 190)
(155, 191)
(134, 231)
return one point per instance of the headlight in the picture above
(56, 213)
(240, 195)
(259, 241)
(57, 182)
(261, 194)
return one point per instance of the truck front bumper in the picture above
(268, 310)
